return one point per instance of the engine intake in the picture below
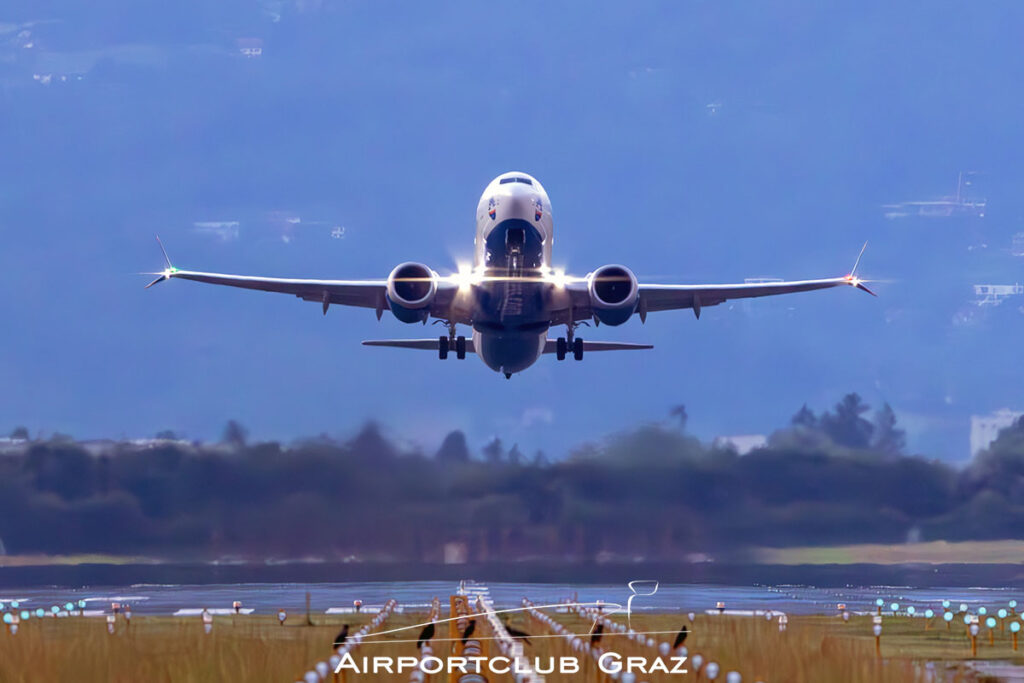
(411, 289)
(614, 294)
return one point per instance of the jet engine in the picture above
(614, 294)
(411, 290)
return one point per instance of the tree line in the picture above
(652, 492)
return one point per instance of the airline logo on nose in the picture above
(492, 208)
(538, 209)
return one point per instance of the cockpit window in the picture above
(514, 179)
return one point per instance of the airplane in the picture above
(511, 295)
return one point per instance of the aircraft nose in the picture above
(519, 206)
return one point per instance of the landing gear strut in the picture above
(445, 344)
(569, 342)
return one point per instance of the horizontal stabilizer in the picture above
(588, 346)
(549, 345)
(421, 344)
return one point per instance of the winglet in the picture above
(853, 273)
(852, 277)
(167, 259)
(168, 271)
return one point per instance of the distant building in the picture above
(985, 428)
(456, 553)
(250, 47)
(1017, 244)
(993, 295)
(12, 446)
(741, 443)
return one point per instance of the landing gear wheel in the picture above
(577, 348)
(561, 348)
(442, 347)
(460, 348)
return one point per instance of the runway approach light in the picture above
(711, 671)
(963, 606)
(1002, 613)
(1012, 604)
(928, 614)
(40, 612)
(911, 610)
(945, 604)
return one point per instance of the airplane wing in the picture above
(549, 345)
(359, 293)
(656, 297)
(670, 297)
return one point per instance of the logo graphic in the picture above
(538, 209)
(492, 208)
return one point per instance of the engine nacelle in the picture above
(614, 294)
(411, 290)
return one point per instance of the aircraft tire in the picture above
(561, 348)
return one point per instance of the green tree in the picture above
(888, 438)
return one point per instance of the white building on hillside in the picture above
(985, 428)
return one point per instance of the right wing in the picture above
(358, 293)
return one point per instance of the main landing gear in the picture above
(445, 344)
(569, 342)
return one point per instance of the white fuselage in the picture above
(514, 235)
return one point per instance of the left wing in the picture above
(654, 297)
(669, 297)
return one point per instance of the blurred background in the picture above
(694, 142)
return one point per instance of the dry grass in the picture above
(932, 552)
(256, 648)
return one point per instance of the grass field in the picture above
(932, 552)
(256, 648)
